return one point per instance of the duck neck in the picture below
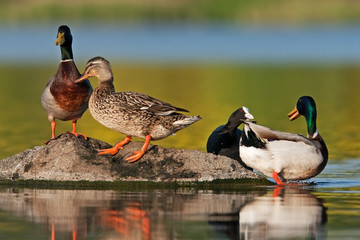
(66, 52)
(107, 85)
(231, 127)
(311, 126)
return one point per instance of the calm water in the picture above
(328, 209)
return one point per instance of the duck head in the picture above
(236, 118)
(64, 36)
(306, 107)
(97, 67)
(64, 40)
(241, 114)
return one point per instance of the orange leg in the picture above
(114, 150)
(277, 191)
(74, 233)
(53, 124)
(52, 232)
(276, 178)
(74, 129)
(146, 228)
(138, 154)
(138, 215)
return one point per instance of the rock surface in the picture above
(69, 158)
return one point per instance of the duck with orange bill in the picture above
(131, 113)
(282, 155)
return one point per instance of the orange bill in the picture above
(82, 78)
(294, 114)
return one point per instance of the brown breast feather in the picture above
(69, 96)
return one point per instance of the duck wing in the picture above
(50, 81)
(141, 101)
(269, 134)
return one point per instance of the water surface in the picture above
(328, 208)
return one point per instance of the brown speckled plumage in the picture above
(131, 113)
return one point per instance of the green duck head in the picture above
(306, 106)
(64, 39)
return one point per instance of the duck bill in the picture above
(294, 114)
(247, 113)
(60, 39)
(249, 116)
(82, 78)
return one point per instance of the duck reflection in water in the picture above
(132, 222)
(127, 221)
(286, 213)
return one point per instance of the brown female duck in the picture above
(63, 98)
(131, 113)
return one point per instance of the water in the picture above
(212, 72)
(328, 208)
(184, 43)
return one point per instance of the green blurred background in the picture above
(212, 88)
(246, 11)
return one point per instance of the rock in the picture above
(69, 158)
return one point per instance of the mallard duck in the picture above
(285, 213)
(282, 155)
(131, 113)
(224, 140)
(63, 98)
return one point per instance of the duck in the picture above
(285, 156)
(131, 113)
(285, 213)
(225, 139)
(62, 98)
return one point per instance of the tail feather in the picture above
(187, 121)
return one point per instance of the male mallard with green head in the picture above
(63, 98)
(131, 113)
(282, 155)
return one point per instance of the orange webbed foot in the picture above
(80, 134)
(112, 151)
(136, 156)
(74, 121)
